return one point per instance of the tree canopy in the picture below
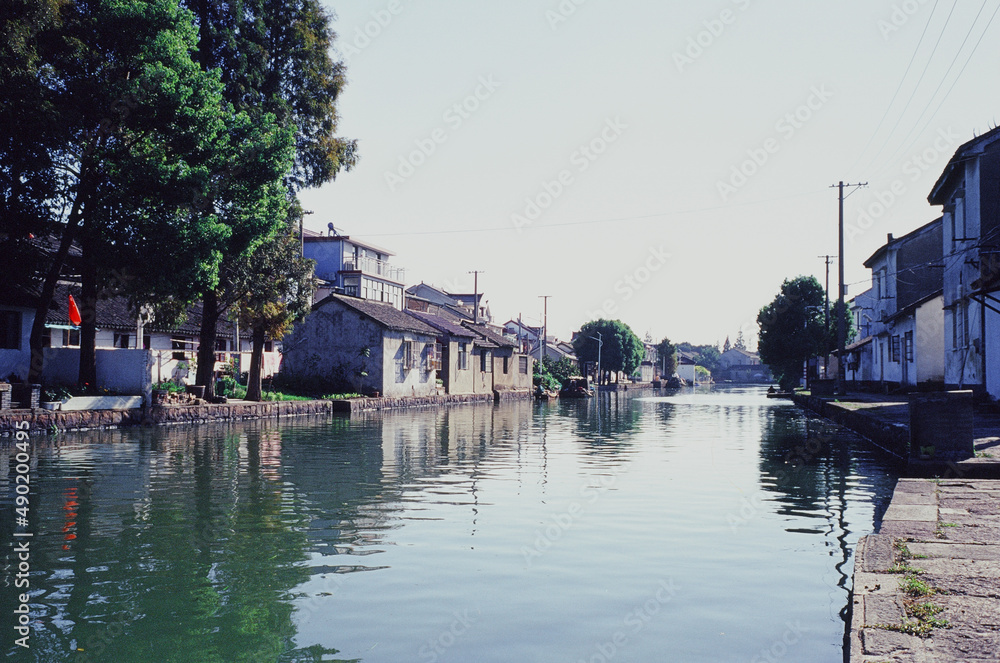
(621, 350)
(667, 354)
(109, 130)
(793, 329)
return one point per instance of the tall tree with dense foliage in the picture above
(111, 120)
(792, 329)
(621, 350)
(274, 59)
(667, 355)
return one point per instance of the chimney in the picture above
(889, 238)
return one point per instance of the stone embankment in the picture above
(927, 585)
(49, 421)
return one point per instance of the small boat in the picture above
(577, 387)
(545, 394)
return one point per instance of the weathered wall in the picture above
(328, 344)
(41, 421)
(15, 361)
(929, 341)
(398, 382)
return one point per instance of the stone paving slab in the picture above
(958, 554)
(913, 512)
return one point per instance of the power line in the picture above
(510, 227)
(917, 86)
(898, 87)
(954, 83)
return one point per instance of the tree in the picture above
(274, 59)
(280, 286)
(667, 353)
(792, 329)
(111, 119)
(726, 347)
(740, 344)
(621, 351)
(561, 370)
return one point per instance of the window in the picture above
(10, 330)
(463, 356)
(268, 346)
(894, 349)
(908, 346)
(121, 341)
(407, 355)
(486, 361)
(434, 357)
(220, 344)
(522, 365)
(506, 366)
(71, 337)
(179, 346)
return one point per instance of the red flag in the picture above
(74, 313)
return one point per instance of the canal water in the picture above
(712, 525)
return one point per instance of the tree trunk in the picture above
(210, 315)
(88, 315)
(49, 286)
(256, 360)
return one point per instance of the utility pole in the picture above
(826, 311)
(475, 294)
(545, 326)
(841, 322)
(302, 233)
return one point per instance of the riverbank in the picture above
(40, 420)
(927, 585)
(885, 422)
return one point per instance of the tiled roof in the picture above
(488, 334)
(115, 313)
(385, 315)
(442, 325)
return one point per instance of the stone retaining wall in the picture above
(46, 421)
(353, 405)
(890, 437)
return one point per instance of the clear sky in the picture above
(665, 163)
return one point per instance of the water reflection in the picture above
(289, 541)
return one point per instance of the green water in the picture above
(709, 526)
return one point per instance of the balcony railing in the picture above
(377, 267)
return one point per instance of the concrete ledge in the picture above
(47, 421)
(891, 437)
(101, 403)
(354, 405)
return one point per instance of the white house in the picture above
(355, 268)
(969, 192)
(906, 309)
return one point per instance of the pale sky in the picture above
(591, 150)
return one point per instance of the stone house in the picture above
(738, 365)
(510, 370)
(456, 371)
(344, 337)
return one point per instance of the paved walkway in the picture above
(927, 586)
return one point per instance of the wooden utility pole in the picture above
(475, 294)
(841, 322)
(545, 326)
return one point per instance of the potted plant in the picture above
(52, 397)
